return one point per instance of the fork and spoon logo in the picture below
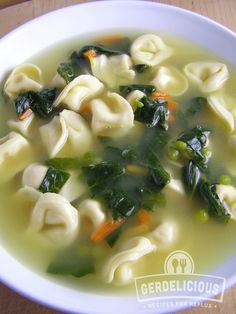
(179, 262)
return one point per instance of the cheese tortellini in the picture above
(149, 49)
(170, 80)
(68, 128)
(55, 219)
(25, 127)
(93, 211)
(81, 89)
(117, 269)
(11, 145)
(209, 76)
(227, 195)
(111, 116)
(113, 71)
(34, 174)
(164, 235)
(25, 77)
(219, 104)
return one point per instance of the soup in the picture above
(111, 158)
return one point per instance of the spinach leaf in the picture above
(215, 207)
(68, 263)
(196, 139)
(67, 71)
(140, 68)
(41, 103)
(153, 113)
(191, 177)
(127, 155)
(101, 176)
(113, 237)
(53, 180)
(71, 163)
(159, 177)
(146, 89)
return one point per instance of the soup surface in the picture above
(116, 151)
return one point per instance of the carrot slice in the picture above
(25, 114)
(106, 228)
(110, 39)
(85, 107)
(90, 54)
(171, 119)
(160, 95)
(144, 217)
(172, 105)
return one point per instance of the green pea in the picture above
(224, 179)
(180, 145)
(202, 215)
(173, 154)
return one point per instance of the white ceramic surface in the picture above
(51, 28)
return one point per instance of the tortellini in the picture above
(118, 264)
(133, 96)
(67, 128)
(93, 211)
(149, 49)
(25, 77)
(23, 126)
(111, 116)
(10, 145)
(164, 235)
(34, 174)
(209, 76)
(81, 89)
(55, 219)
(218, 104)
(113, 71)
(227, 195)
(170, 80)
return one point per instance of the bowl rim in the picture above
(19, 286)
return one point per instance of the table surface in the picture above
(223, 11)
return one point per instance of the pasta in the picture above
(113, 71)
(170, 80)
(11, 145)
(218, 105)
(78, 91)
(207, 75)
(25, 127)
(55, 219)
(164, 235)
(149, 49)
(92, 210)
(69, 127)
(24, 77)
(111, 116)
(227, 194)
(133, 96)
(129, 251)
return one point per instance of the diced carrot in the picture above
(110, 39)
(171, 119)
(25, 114)
(172, 105)
(144, 217)
(106, 228)
(160, 95)
(90, 54)
(85, 107)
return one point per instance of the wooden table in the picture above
(223, 11)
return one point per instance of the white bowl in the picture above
(54, 27)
